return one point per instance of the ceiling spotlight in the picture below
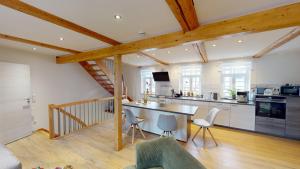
(186, 49)
(118, 17)
(61, 38)
(33, 48)
(214, 45)
(239, 41)
(169, 52)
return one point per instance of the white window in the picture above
(191, 79)
(236, 77)
(147, 81)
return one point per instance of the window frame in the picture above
(144, 77)
(234, 76)
(194, 73)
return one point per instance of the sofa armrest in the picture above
(8, 160)
(176, 157)
(149, 154)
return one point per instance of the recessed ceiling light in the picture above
(240, 41)
(138, 56)
(214, 45)
(61, 38)
(169, 52)
(33, 48)
(118, 17)
(186, 49)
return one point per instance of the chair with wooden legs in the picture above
(134, 123)
(206, 123)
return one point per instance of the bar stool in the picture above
(206, 123)
(167, 123)
(134, 123)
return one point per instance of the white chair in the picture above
(167, 123)
(134, 123)
(123, 113)
(206, 123)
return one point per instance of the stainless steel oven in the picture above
(270, 114)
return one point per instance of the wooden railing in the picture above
(70, 117)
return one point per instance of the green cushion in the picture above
(164, 153)
(134, 167)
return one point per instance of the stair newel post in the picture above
(118, 101)
(51, 121)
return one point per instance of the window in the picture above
(147, 81)
(235, 76)
(191, 79)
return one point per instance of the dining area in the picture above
(166, 120)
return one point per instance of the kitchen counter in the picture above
(228, 101)
(171, 108)
(151, 111)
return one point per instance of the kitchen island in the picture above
(151, 111)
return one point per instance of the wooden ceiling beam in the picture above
(281, 41)
(41, 14)
(186, 15)
(35, 43)
(200, 48)
(276, 18)
(46, 16)
(153, 58)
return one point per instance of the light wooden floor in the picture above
(93, 149)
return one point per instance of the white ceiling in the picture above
(216, 10)
(152, 16)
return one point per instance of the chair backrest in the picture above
(211, 116)
(167, 122)
(130, 118)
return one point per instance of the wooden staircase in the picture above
(102, 72)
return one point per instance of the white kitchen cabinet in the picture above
(223, 117)
(202, 109)
(242, 116)
(169, 101)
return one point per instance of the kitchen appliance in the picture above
(260, 90)
(215, 96)
(161, 76)
(242, 96)
(268, 92)
(270, 114)
(290, 90)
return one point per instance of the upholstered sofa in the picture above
(164, 153)
(8, 160)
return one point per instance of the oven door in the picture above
(263, 109)
(278, 110)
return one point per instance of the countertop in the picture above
(228, 101)
(171, 108)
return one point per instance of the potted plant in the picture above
(232, 93)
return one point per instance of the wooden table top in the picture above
(171, 107)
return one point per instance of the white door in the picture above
(15, 111)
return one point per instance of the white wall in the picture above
(272, 70)
(53, 83)
(132, 80)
